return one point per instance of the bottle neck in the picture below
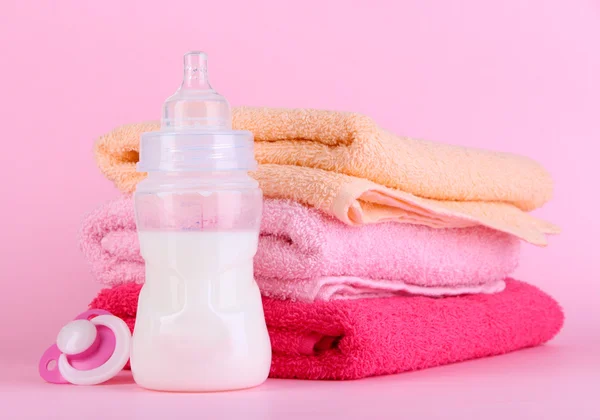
(206, 180)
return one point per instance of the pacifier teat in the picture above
(196, 105)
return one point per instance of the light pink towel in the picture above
(306, 255)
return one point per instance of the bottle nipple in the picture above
(196, 105)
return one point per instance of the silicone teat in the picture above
(196, 105)
(196, 133)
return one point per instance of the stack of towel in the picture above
(377, 254)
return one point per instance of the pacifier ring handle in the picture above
(91, 313)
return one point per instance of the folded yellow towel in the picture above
(345, 165)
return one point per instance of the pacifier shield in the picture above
(93, 348)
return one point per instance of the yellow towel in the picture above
(345, 165)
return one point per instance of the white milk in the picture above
(200, 324)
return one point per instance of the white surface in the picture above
(548, 383)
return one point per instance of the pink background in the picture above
(517, 76)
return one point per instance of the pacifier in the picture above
(89, 350)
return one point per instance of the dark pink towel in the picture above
(351, 339)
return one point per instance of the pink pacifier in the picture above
(89, 350)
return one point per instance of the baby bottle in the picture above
(200, 324)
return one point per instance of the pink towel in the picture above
(110, 245)
(306, 255)
(351, 339)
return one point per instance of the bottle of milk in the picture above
(200, 324)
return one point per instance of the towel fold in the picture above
(348, 167)
(352, 339)
(348, 287)
(306, 255)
